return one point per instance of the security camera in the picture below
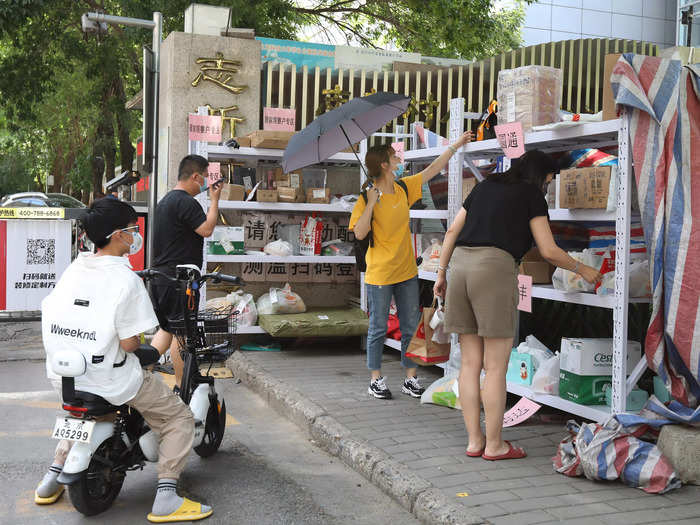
(90, 26)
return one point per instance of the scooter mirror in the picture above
(68, 363)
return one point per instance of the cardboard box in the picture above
(270, 139)
(266, 195)
(233, 192)
(296, 179)
(288, 180)
(467, 186)
(226, 240)
(243, 142)
(287, 194)
(534, 265)
(531, 95)
(609, 111)
(318, 195)
(585, 370)
(584, 187)
(541, 272)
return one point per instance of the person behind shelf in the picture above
(179, 231)
(100, 294)
(391, 265)
(494, 228)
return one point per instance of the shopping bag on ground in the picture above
(422, 349)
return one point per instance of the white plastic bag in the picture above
(431, 257)
(546, 379)
(247, 311)
(441, 392)
(281, 301)
(567, 281)
(536, 350)
(218, 302)
(639, 284)
(279, 248)
(437, 323)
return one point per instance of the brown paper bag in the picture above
(422, 349)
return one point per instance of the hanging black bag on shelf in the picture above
(361, 246)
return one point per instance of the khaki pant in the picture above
(167, 416)
(482, 293)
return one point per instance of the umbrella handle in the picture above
(362, 167)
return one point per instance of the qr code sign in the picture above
(41, 251)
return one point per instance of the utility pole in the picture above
(97, 22)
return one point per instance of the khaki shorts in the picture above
(482, 292)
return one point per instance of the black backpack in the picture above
(361, 246)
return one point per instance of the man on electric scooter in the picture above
(100, 307)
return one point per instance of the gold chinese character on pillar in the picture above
(219, 71)
(226, 118)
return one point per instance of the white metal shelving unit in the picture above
(219, 153)
(588, 135)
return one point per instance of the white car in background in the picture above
(34, 199)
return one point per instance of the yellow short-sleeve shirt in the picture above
(391, 260)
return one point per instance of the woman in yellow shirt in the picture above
(391, 265)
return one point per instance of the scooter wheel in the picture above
(214, 429)
(98, 488)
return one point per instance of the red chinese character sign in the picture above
(279, 119)
(511, 139)
(399, 149)
(525, 293)
(205, 128)
(214, 172)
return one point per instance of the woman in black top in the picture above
(494, 229)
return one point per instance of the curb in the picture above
(414, 493)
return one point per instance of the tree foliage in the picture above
(62, 94)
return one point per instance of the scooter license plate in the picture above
(73, 429)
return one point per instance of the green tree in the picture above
(63, 94)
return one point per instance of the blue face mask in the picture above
(398, 172)
(204, 187)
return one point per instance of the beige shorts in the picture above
(482, 292)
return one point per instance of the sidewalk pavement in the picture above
(21, 340)
(415, 452)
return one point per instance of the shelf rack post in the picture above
(622, 255)
(454, 195)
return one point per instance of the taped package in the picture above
(530, 95)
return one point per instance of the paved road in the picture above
(266, 472)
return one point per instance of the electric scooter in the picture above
(108, 440)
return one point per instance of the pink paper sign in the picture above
(511, 139)
(205, 128)
(525, 293)
(399, 149)
(214, 172)
(279, 119)
(521, 411)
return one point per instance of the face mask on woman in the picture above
(398, 172)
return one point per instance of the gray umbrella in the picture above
(335, 130)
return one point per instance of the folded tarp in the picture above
(321, 322)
